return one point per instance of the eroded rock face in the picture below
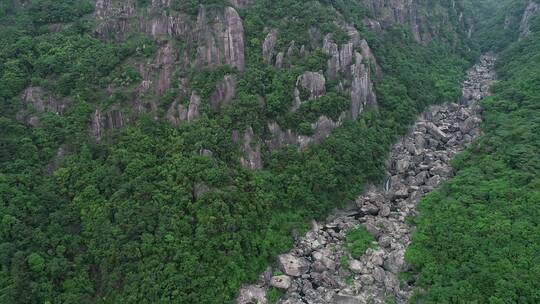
(221, 41)
(102, 122)
(530, 11)
(268, 46)
(362, 94)
(322, 128)
(313, 82)
(252, 151)
(224, 93)
(165, 63)
(410, 13)
(41, 100)
(418, 163)
(356, 67)
(178, 113)
(37, 100)
(310, 85)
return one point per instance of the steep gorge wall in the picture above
(425, 19)
(215, 37)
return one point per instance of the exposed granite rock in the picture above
(165, 65)
(362, 94)
(355, 67)
(313, 82)
(252, 151)
(101, 122)
(221, 41)
(416, 167)
(309, 85)
(530, 11)
(176, 113)
(322, 128)
(423, 25)
(224, 92)
(193, 110)
(268, 46)
(252, 294)
(282, 282)
(41, 100)
(293, 266)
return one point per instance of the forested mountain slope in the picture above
(166, 150)
(478, 236)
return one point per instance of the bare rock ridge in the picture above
(419, 162)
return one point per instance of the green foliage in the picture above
(477, 238)
(358, 241)
(55, 11)
(125, 220)
(191, 7)
(274, 295)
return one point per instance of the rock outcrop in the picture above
(424, 25)
(322, 128)
(420, 162)
(356, 63)
(224, 93)
(252, 158)
(309, 86)
(269, 46)
(42, 101)
(221, 41)
(178, 113)
(100, 122)
(37, 100)
(530, 12)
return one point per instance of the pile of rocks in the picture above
(313, 272)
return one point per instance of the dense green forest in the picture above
(120, 220)
(478, 236)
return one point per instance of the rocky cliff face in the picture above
(212, 39)
(37, 100)
(312, 270)
(215, 36)
(417, 14)
(352, 65)
(530, 12)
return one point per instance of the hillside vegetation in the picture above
(478, 236)
(142, 216)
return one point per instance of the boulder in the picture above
(282, 282)
(395, 262)
(435, 131)
(252, 294)
(293, 266)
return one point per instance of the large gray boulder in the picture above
(282, 282)
(293, 266)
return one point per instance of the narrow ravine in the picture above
(313, 271)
